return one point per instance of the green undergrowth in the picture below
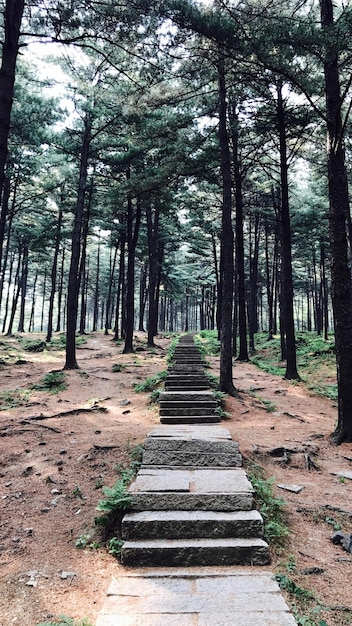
(271, 507)
(63, 620)
(151, 383)
(53, 382)
(315, 361)
(113, 505)
(304, 603)
(208, 342)
(11, 398)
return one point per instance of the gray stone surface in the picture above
(184, 524)
(199, 446)
(194, 552)
(191, 433)
(197, 409)
(186, 395)
(189, 419)
(198, 458)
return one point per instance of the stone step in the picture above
(190, 446)
(186, 396)
(191, 459)
(219, 489)
(174, 386)
(189, 419)
(187, 404)
(191, 524)
(195, 552)
(224, 596)
(190, 411)
(189, 433)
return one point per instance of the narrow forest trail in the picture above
(52, 471)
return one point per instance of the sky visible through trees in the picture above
(165, 167)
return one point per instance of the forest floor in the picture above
(58, 450)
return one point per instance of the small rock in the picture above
(32, 583)
(125, 402)
(337, 538)
(50, 479)
(42, 443)
(97, 432)
(65, 575)
(63, 451)
(347, 543)
(312, 570)
(55, 492)
(292, 488)
(45, 509)
(126, 412)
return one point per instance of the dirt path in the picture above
(52, 470)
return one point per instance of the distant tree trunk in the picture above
(49, 333)
(96, 290)
(43, 302)
(133, 224)
(5, 256)
(120, 286)
(324, 292)
(73, 280)
(226, 251)
(341, 288)
(142, 295)
(12, 260)
(253, 286)
(286, 249)
(23, 288)
(31, 318)
(60, 291)
(155, 256)
(241, 281)
(12, 18)
(16, 293)
(108, 299)
(270, 282)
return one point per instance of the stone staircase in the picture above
(191, 500)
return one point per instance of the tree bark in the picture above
(133, 224)
(226, 244)
(12, 24)
(341, 288)
(49, 333)
(286, 248)
(73, 280)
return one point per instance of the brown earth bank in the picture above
(57, 451)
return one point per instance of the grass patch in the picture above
(53, 382)
(114, 504)
(271, 507)
(63, 620)
(315, 359)
(118, 367)
(151, 383)
(32, 345)
(208, 342)
(11, 398)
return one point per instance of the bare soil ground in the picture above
(58, 450)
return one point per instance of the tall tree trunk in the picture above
(286, 249)
(253, 287)
(31, 318)
(49, 333)
(241, 280)
(155, 256)
(60, 291)
(120, 286)
(133, 224)
(73, 280)
(12, 24)
(108, 299)
(12, 260)
(226, 250)
(16, 293)
(96, 290)
(142, 295)
(23, 289)
(341, 288)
